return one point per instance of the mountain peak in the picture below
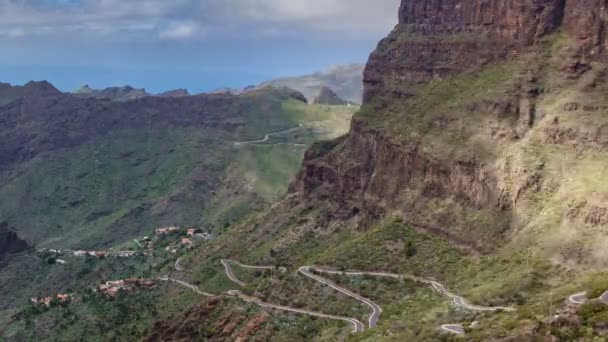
(41, 88)
(328, 97)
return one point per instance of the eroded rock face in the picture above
(372, 175)
(510, 20)
(438, 38)
(587, 20)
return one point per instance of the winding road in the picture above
(578, 298)
(281, 269)
(453, 328)
(357, 325)
(267, 136)
(457, 300)
(376, 309)
(230, 274)
(581, 298)
(178, 267)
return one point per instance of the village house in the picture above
(191, 232)
(90, 253)
(166, 231)
(186, 242)
(112, 288)
(46, 301)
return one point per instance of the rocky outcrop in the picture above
(328, 97)
(438, 38)
(10, 243)
(370, 176)
(587, 22)
(374, 173)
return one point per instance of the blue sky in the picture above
(196, 44)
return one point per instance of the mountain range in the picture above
(345, 80)
(464, 201)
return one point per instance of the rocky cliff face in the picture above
(474, 77)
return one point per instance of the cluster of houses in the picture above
(111, 288)
(94, 254)
(166, 231)
(46, 301)
(97, 254)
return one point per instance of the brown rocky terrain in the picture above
(212, 320)
(431, 147)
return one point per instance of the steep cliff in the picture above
(483, 120)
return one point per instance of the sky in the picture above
(200, 45)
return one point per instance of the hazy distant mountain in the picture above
(125, 93)
(345, 80)
(10, 93)
(328, 97)
(175, 93)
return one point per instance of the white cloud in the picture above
(354, 17)
(183, 30)
(184, 19)
(13, 33)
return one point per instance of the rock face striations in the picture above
(435, 39)
(456, 99)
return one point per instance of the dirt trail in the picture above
(267, 136)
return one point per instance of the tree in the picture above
(410, 249)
